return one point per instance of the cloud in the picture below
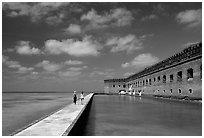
(75, 69)
(149, 17)
(69, 73)
(9, 50)
(36, 11)
(16, 65)
(159, 8)
(48, 66)
(128, 74)
(145, 36)
(85, 47)
(73, 62)
(24, 48)
(4, 58)
(128, 43)
(116, 17)
(106, 74)
(142, 60)
(73, 29)
(55, 20)
(25, 69)
(73, 72)
(192, 18)
(189, 44)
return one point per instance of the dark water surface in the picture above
(21, 109)
(125, 115)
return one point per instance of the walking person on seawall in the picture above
(74, 97)
(82, 97)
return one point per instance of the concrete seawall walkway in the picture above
(58, 123)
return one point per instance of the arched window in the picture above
(158, 78)
(146, 81)
(171, 78)
(113, 85)
(189, 74)
(164, 79)
(179, 90)
(150, 82)
(201, 71)
(179, 76)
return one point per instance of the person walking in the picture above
(74, 97)
(82, 97)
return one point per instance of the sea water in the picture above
(21, 109)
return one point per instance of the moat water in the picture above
(113, 115)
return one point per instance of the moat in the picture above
(120, 115)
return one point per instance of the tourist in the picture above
(74, 97)
(82, 97)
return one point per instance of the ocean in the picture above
(20, 109)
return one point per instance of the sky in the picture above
(76, 46)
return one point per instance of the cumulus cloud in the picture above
(73, 62)
(191, 18)
(116, 17)
(128, 43)
(36, 11)
(73, 29)
(16, 65)
(142, 60)
(48, 66)
(106, 74)
(4, 58)
(55, 19)
(85, 47)
(69, 73)
(75, 69)
(24, 48)
(128, 74)
(149, 17)
(25, 69)
(189, 44)
(73, 72)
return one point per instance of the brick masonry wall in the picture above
(164, 89)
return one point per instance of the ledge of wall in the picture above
(59, 123)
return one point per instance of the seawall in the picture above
(60, 123)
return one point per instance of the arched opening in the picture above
(164, 79)
(190, 91)
(179, 91)
(158, 78)
(171, 78)
(124, 86)
(190, 74)
(179, 76)
(201, 71)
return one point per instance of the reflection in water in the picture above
(128, 115)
